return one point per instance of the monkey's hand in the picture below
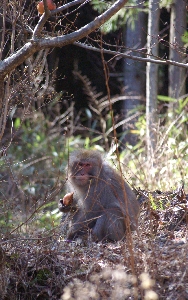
(66, 204)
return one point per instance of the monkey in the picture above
(99, 200)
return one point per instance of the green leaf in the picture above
(17, 123)
(166, 98)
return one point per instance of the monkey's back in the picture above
(121, 194)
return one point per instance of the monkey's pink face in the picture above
(82, 173)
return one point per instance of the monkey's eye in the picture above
(84, 165)
(87, 165)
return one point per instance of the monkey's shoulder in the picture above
(113, 176)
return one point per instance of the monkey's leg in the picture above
(79, 225)
(110, 226)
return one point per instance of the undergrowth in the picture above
(37, 262)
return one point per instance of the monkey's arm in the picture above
(81, 223)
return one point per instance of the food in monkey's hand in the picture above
(68, 199)
(66, 204)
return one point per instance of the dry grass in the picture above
(44, 266)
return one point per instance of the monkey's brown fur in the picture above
(102, 199)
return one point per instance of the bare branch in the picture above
(35, 45)
(68, 5)
(138, 58)
(85, 30)
(49, 13)
(42, 21)
(10, 63)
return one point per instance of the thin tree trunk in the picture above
(177, 28)
(152, 78)
(134, 72)
(3, 106)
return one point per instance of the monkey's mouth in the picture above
(82, 179)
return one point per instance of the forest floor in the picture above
(151, 264)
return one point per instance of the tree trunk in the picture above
(134, 72)
(177, 75)
(152, 78)
(3, 105)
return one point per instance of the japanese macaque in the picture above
(99, 200)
